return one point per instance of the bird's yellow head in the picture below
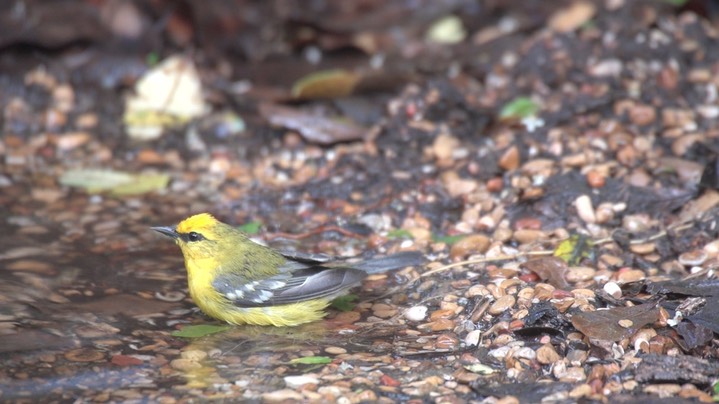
(199, 236)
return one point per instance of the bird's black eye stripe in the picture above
(192, 236)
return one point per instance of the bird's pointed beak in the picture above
(166, 230)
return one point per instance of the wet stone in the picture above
(546, 354)
(580, 274)
(502, 304)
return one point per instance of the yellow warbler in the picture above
(234, 279)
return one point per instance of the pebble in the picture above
(585, 210)
(635, 223)
(446, 341)
(444, 146)
(546, 354)
(185, 364)
(193, 355)
(525, 353)
(526, 236)
(569, 18)
(510, 159)
(439, 314)
(712, 248)
(295, 382)
(472, 338)
(644, 248)
(579, 274)
(416, 313)
(84, 355)
(612, 289)
(281, 396)
(72, 140)
(474, 244)
(693, 258)
(440, 325)
(595, 179)
(335, 350)
(631, 275)
(502, 304)
(642, 114)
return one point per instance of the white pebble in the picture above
(416, 313)
(585, 210)
(613, 290)
(472, 338)
(294, 382)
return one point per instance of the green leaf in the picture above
(118, 183)
(449, 240)
(311, 360)
(520, 107)
(250, 228)
(94, 180)
(574, 249)
(399, 233)
(142, 184)
(198, 331)
(344, 303)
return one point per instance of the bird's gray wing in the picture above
(310, 282)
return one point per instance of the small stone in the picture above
(510, 159)
(644, 248)
(416, 313)
(526, 236)
(546, 354)
(282, 396)
(193, 355)
(335, 350)
(642, 115)
(585, 210)
(579, 274)
(525, 353)
(595, 179)
(72, 141)
(625, 323)
(712, 248)
(442, 325)
(570, 18)
(438, 314)
(446, 341)
(631, 275)
(502, 304)
(583, 390)
(84, 355)
(612, 289)
(295, 382)
(472, 338)
(474, 244)
(693, 258)
(443, 146)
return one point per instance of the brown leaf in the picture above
(312, 126)
(550, 269)
(612, 324)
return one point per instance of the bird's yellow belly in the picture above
(280, 316)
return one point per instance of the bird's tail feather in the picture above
(391, 262)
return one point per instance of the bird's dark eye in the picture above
(194, 236)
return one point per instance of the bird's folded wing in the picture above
(315, 282)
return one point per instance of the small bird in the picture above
(234, 279)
